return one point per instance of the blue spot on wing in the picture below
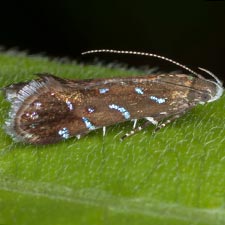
(64, 133)
(157, 100)
(70, 105)
(103, 90)
(139, 90)
(88, 124)
(90, 109)
(124, 112)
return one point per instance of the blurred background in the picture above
(192, 32)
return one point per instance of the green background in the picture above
(175, 176)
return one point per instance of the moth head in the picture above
(214, 88)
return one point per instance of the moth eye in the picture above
(205, 97)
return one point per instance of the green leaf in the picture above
(176, 176)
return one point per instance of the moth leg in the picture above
(172, 118)
(103, 131)
(78, 136)
(135, 123)
(132, 132)
(150, 120)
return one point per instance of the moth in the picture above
(50, 109)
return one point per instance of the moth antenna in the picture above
(143, 54)
(212, 75)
